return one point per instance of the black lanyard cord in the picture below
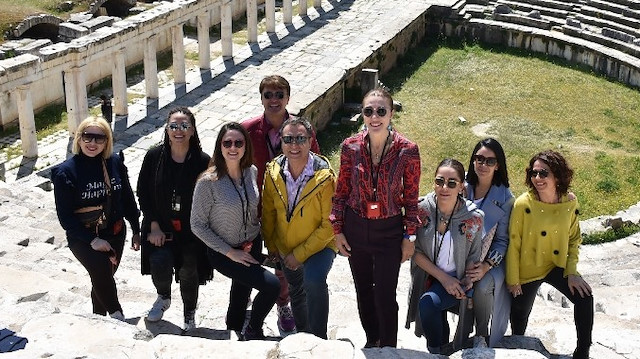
(245, 211)
(374, 176)
(435, 233)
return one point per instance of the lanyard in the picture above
(374, 176)
(245, 211)
(301, 185)
(435, 233)
(485, 197)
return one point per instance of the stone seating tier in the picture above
(526, 7)
(568, 5)
(621, 9)
(603, 40)
(601, 23)
(611, 16)
(632, 4)
(523, 20)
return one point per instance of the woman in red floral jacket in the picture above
(374, 214)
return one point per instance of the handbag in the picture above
(97, 217)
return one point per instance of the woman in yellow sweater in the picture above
(544, 237)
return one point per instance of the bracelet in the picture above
(410, 237)
(491, 263)
(94, 241)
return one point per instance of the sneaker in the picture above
(158, 309)
(252, 334)
(286, 323)
(190, 320)
(117, 315)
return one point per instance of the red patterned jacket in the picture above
(398, 181)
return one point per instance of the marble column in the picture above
(252, 21)
(119, 82)
(76, 97)
(270, 15)
(177, 46)
(27, 122)
(204, 46)
(150, 67)
(226, 31)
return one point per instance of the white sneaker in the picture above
(190, 320)
(158, 309)
(117, 315)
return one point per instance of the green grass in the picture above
(611, 234)
(530, 103)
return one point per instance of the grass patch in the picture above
(611, 234)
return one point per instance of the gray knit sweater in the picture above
(217, 211)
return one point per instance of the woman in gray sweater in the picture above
(224, 215)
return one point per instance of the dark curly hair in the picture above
(559, 167)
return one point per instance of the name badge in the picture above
(373, 210)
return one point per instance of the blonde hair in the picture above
(102, 124)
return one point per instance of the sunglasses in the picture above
(451, 183)
(269, 95)
(88, 137)
(380, 111)
(295, 139)
(229, 143)
(174, 126)
(487, 161)
(542, 173)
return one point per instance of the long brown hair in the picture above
(218, 160)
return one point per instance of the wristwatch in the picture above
(410, 237)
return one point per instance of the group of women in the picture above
(468, 237)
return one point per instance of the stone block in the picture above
(33, 47)
(98, 22)
(69, 30)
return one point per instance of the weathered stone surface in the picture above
(69, 30)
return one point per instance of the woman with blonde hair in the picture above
(93, 194)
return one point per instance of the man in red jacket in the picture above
(264, 131)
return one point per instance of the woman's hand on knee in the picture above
(453, 287)
(242, 257)
(577, 283)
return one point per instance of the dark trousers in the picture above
(243, 279)
(162, 263)
(104, 295)
(376, 252)
(582, 312)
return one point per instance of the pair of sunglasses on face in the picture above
(368, 111)
(542, 173)
(269, 95)
(450, 183)
(174, 126)
(97, 137)
(487, 161)
(236, 143)
(295, 139)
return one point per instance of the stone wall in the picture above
(94, 53)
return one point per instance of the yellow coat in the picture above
(308, 230)
(542, 236)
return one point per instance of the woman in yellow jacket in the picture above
(296, 202)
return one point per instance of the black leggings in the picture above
(582, 313)
(104, 295)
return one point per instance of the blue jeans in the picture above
(310, 294)
(433, 305)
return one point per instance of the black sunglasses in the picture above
(236, 143)
(297, 139)
(380, 111)
(542, 173)
(451, 183)
(88, 137)
(174, 126)
(278, 94)
(487, 161)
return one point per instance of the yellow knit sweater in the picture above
(542, 236)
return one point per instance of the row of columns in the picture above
(75, 80)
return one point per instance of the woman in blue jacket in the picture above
(488, 187)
